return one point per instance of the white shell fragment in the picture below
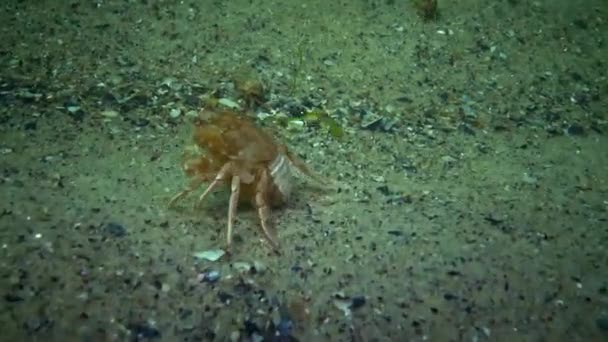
(228, 103)
(109, 113)
(210, 255)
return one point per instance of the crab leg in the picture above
(221, 175)
(301, 165)
(235, 188)
(193, 186)
(261, 202)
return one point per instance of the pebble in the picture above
(242, 267)
(371, 121)
(575, 129)
(172, 83)
(602, 323)
(175, 113)
(285, 327)
(259, 266)
(343, 305)
(30, 126)
(347, 304)
(210, 276)
(295, 125)
(72, 109)
(115, 229)
(143, 330)
(357, 302)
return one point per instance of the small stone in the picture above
(448, 160)
(30, 126)
(602, 323)
(383, 189)
(242, 267)
(210, 276)
(115, 229)
(285, 327)
(224, 297)
(449, 296)
(259, 266)
(143, 331)
(575, 129)
(378, 178)
(344, 306)
(12, 298)
(235, 336)
(175, 113)
(357, 302)
(371, 121)
(72, 109)
(295, 125)
(250, 327)
(172, 83)
(528, 179)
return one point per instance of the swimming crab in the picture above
(237, 153)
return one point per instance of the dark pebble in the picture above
(143, 330)
(493, 220)
(357, 302)
(224, 297)
(37, 324)
(30, 126)
(405, 99)
(12, 298)
(575, 129)
(449, 296)
(467, 129)
(211, 276)
(243, 288)
(251, 327)
(285, 327)
(581, 24)
(115, 229)
(77, 115)
(384, 190)
(602, 324)
(140, 122)
(295, 109)
(395, 232)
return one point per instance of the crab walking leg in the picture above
(261, 202)
(301, 165)
(221, 175)
(235, 188)
(193, 186)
